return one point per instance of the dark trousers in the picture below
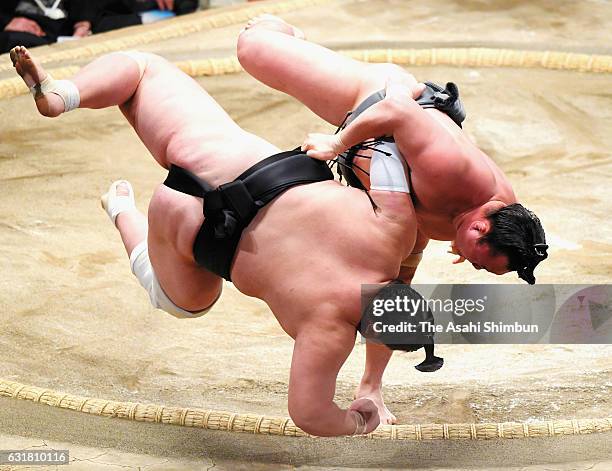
(115, 14)
(10, 39)
(109, 22)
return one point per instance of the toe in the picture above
(123, 189)
(389, 419)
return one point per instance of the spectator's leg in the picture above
(111, 22)
(182, 7)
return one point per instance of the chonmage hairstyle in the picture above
(517, 233)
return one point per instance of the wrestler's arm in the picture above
(319, 352)
(395, 112)
(381, 119)
(410, 263)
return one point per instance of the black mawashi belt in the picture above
(230, 208)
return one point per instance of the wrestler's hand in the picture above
(454, 251)
(403, 88)
(323, 146)
(368, 411)
(418, 90)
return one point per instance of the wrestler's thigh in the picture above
(323, 80)
(174, 220)
(376, 76)
(168, 105)
(327, 82)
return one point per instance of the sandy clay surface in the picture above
(74, 319)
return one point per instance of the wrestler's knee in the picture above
(254, 45)
(140, 58)
(376, 76)
(143, 271)
(247, 48)
(306, 416)
(145, 60)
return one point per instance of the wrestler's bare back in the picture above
(302, 254)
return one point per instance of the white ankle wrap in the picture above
(65, 89)
(143, 270)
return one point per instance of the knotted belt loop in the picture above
(230, 207)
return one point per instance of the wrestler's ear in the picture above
(482, 226)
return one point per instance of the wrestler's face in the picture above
(469, 244)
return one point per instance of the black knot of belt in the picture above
(230, 208)
(225, 224)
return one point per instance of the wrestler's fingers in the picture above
(459, 259)
(418, 90)
(368, 411)
(310, 141)
(372, 423)
(320, 155)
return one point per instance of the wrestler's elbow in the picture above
(313, 418)
(304, 421)
(312, 422)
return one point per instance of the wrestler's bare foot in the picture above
(374, 393)
(33, 74)
(118, 201)
(281, 25)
